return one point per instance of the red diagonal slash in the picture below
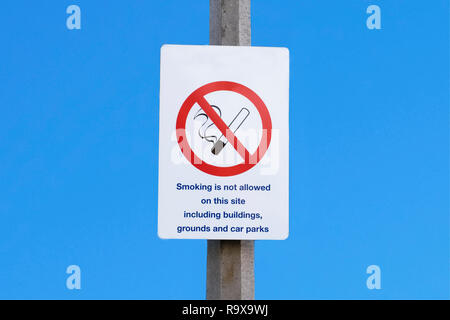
(224, 129)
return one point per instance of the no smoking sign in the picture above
(227, 131)
(225, 111)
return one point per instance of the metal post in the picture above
(230, 267)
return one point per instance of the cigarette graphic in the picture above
(234, 126)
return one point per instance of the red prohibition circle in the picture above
(250, 160)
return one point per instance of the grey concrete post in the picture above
(230, 263)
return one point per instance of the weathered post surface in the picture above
(230, 266)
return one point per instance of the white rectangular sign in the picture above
(224, 143)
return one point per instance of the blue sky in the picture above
(369, 153)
